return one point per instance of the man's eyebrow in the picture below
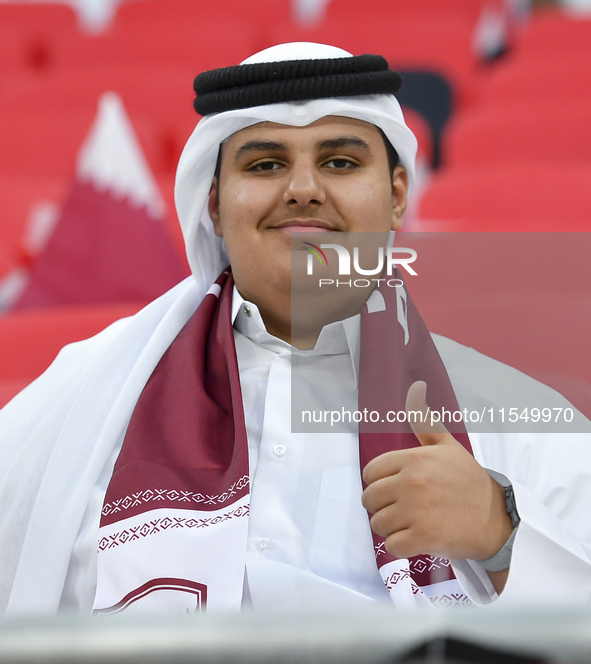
(343, 142)
(259, 146)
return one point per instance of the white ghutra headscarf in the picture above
(205, 251)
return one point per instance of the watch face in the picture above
(511, 506)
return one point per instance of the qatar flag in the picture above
(110, 242)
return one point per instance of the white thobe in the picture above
(309, 540)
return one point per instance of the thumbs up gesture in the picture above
(435, 499)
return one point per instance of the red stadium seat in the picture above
(155, 90)
(506, 197)
(39, 18)
(466, 9)
(47, 143)
(30, 340)
(520, 131)
(39, 143)
(13, 50)
(158, 96)
(438, 43)
(545, 80)
(214, 41)
(256, 14)
(37, 28)
(555, 32)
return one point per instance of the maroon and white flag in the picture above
(109, 242)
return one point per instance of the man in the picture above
(154, 441)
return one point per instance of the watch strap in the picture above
(502, 559)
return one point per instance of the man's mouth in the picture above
(304, 226)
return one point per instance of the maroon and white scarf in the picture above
(174, 523)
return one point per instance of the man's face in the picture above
(277, 180)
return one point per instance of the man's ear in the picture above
(399, 196)
(213, 206)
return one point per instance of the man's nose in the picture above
(304, 186)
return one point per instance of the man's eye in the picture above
(266, 166)
(340, 163)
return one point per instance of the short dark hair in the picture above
(218, 165)
(393, 158)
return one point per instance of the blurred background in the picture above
(96, 105)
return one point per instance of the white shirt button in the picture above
(246, 311)
(279, 450)
(263, 544)
(334, 333)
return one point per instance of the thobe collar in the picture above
(338, 338)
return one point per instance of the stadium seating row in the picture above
(25, 352)
(205, 35)
(520, 158)
(534, 197)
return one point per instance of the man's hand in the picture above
(435, 499)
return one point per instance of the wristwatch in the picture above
(502, 559)
(511, 506)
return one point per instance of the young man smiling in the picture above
(165, 442)
(276, 180)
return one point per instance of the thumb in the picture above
(427, 429)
